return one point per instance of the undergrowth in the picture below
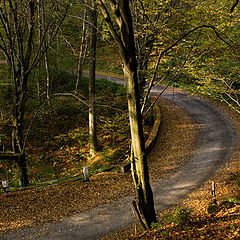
(57, 146)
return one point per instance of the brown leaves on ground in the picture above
(29, 207)
(224, 225)
(224, 222)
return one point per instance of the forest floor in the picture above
(200, 215)
(31, 207)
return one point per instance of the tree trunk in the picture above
(2, 134)
(82, 51)
(46, 61)
(92, 70)
(139, 158)
(20, 81)
(48, 92)
(125, 41)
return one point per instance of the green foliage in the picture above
(233, 200)
(232, 226)
(228, 203)
(63, 81)
(98, 167)
(104, 86)
(108, 60)
(181, 216)
(8, 171)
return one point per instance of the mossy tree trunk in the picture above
(92, 78)
(20, 82)
(125, 40)
(82, 50)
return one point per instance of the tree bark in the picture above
(20, 81)
(139, 159)
(125, 41)
(82, 51)
(92, 71)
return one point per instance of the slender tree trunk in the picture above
(92, 71)
(57, 53)
(39, 39)
(38, 83)
(46, 61)
(82, 51)
(2, 119)
(48, 86)
(18, 118)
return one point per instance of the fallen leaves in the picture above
(31, 207)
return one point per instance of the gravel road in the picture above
(216, 143)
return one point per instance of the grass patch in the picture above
(57, 146)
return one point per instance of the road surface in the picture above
(217, 141)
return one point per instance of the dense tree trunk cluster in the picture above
(17, 41)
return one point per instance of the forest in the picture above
(62, 108)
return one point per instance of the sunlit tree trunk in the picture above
(46, 59)
(125, 41)
(82, 51)
(92, 70)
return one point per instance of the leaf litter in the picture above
(34, 206)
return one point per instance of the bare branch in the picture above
(173, 78)
(109, 22)
(114, 108)
(40, 54)
(30, 35)
(71, 95)
(234, 6)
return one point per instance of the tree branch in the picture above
(71, 95)
(173, 78)
(234, 6)
(38, 55)
(109, 22)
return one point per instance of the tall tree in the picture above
(124, 37)
(82, 50)
(18, 56)
(92, 72)
(17, 23)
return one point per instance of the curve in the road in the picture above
(216, 144)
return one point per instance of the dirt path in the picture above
(215, 146)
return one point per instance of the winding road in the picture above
(216, 143)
